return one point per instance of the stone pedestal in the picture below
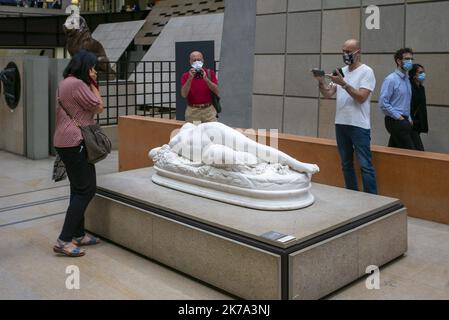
(334, 240)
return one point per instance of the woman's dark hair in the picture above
(80, 65)
(412, 73)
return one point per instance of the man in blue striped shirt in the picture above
(395, 100)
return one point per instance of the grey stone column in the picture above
(56, 69)
(36, 101)
(237, 62)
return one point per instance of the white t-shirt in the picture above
(349, 111)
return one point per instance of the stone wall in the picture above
(293, 36)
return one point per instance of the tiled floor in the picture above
(32, 211)
(423, 273)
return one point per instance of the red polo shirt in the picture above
(199, 91)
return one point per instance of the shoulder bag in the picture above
(97, 143)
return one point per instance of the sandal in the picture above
(68, 249)
(87, 240)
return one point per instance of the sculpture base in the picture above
(255, 199)
(332, 242)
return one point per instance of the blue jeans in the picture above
(350, 138)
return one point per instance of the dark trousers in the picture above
(417, 140)
(350, 139)
(83, 185)
(401, 133)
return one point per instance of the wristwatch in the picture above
(345, 86)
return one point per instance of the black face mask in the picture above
(349, 58)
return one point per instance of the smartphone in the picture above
(318, 73)
(92, 81)
(339, 70)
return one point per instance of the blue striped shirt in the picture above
(396, 95)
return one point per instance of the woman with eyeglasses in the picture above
(417, 77)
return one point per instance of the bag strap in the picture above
(208, 75)
(65, 110)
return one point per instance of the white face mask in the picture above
(197, 64)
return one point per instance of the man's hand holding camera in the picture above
(198, 74)
(326, 91)
(337, 78)
(204, 75)
(320, 79)
(192, 73)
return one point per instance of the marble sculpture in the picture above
(215, 161)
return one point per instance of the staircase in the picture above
(166, 9)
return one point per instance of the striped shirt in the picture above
(80, 102)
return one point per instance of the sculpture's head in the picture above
(75, 24)
(187, 127)
(178, 136)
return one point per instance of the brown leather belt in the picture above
(200, 106)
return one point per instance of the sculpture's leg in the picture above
(240, 142)
(217, 154)
(273, 155)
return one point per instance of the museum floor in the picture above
(32, 211)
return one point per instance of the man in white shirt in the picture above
(352, 120)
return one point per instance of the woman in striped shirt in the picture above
(79, 101)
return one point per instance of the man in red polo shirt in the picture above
(197, 87)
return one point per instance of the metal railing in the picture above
(144, 88)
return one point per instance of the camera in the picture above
(198, 73)
(318, 73)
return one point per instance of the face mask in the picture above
(407, 65)
(421, 77)
(197, 64)
(349, 58)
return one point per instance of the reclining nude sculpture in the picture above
(215, 161)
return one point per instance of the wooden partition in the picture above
(419, 179)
